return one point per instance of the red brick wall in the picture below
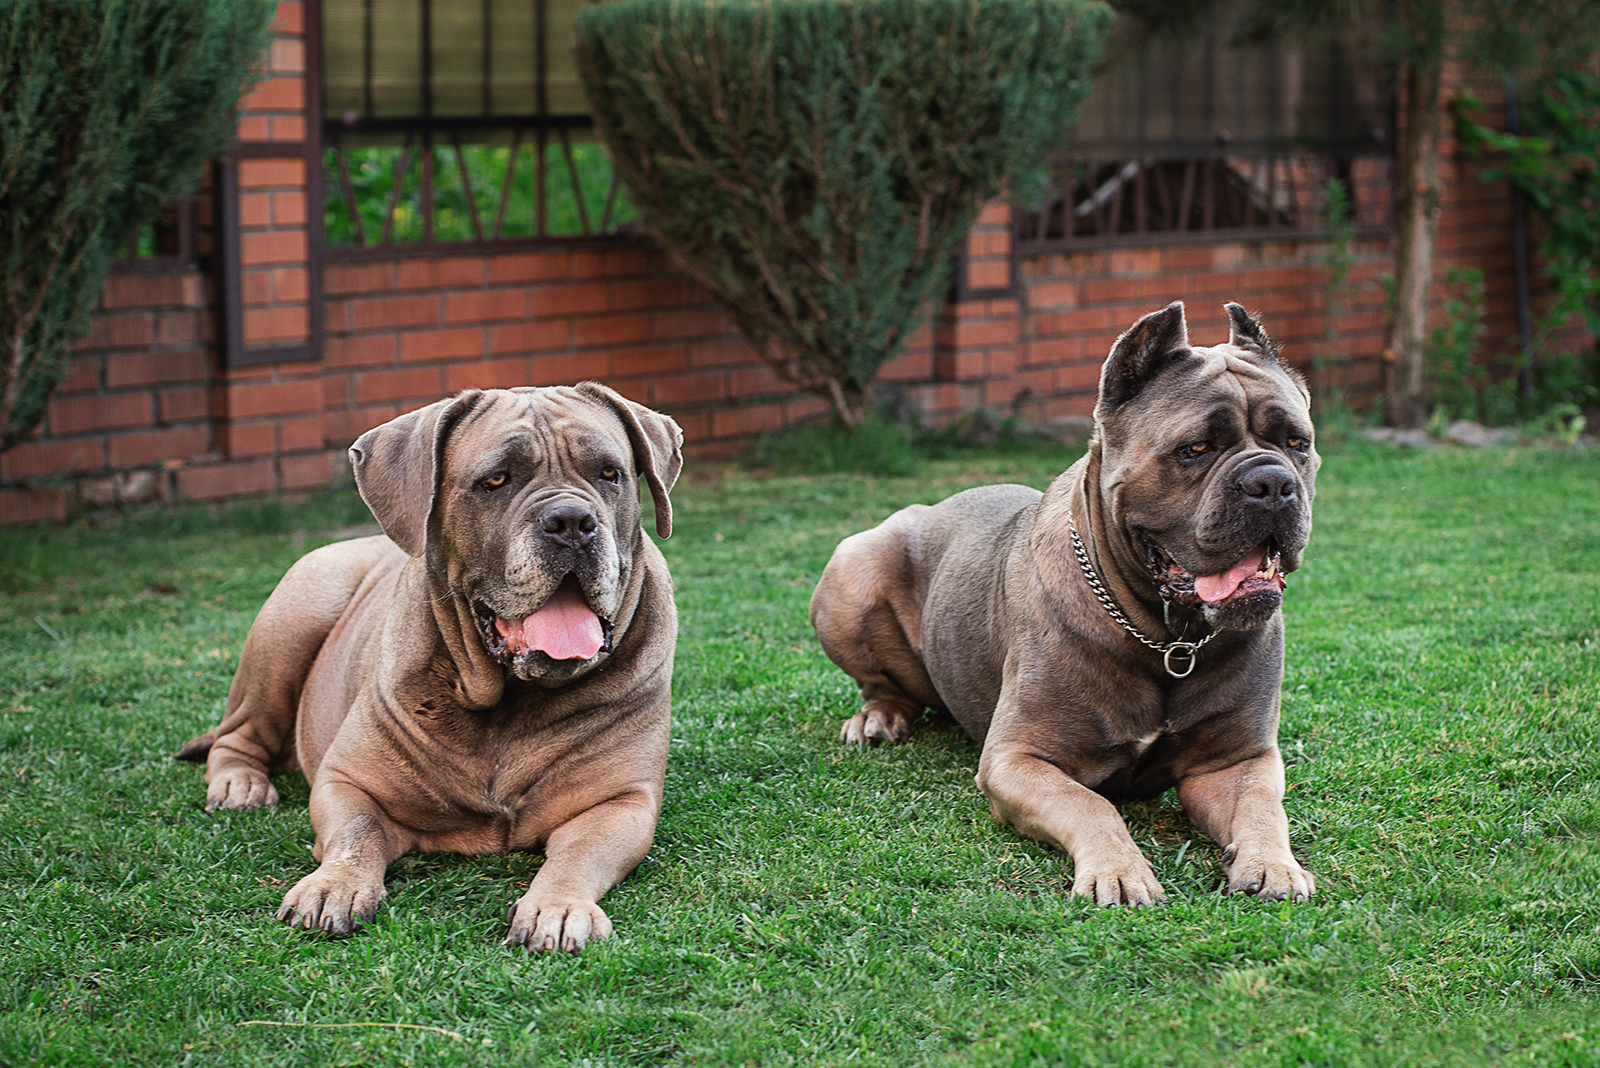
(1077, 305)
(134, 406)
(405, 331)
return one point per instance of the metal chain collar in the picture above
(1188, 653)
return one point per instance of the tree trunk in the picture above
(849, 403)
(1418, 212)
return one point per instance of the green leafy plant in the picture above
(108, 108)
(1456, 379)
(1564, 422)
(817, 163)
(371, 173)
(1556, 164)
(1338, 256)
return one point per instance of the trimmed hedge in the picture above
(108, 110)
(818, 163)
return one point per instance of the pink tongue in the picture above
(564, 629)
(1216, 587)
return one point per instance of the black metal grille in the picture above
(1215, 137)
(1083, 203)
(459, 120)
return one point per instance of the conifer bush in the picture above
(817, 163)
(108, 109)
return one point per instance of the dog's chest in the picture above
(1127, 767)
(489, 809)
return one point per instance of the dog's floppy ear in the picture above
(657, 447)
(1146, 347)
(397, 468)
(1244, 332)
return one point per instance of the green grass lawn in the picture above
(806, 903)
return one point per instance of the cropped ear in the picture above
(1244, 331)
(397, 467)
(657, 446)
(1136, 357)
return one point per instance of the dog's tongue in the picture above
(1212, 588)
(564, 629)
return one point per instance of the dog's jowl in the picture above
(492, 673)
(1120, 633)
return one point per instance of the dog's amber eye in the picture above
(611, 474)
(495, 481)
(1296, 444)
(1199, 448)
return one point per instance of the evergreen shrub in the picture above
(817, 163)
(108, 109)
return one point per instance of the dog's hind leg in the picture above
(867, 612)
(257, 729)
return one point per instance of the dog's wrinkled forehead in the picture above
(1198, 387)
(554, 431)
(1243, 376)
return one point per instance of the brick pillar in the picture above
(268, 401)
(975, 336)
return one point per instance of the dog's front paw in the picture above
(338, 901)
(878, 722)
(239, 786)
(1272, 875)
(1117, 879)
(541, 924)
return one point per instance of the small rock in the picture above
(97, 492)
(1475, 435)
(136, 487)
(1412, 439)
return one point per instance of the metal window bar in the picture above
(1231, 135)
(1099, 203)
(541, 167)
(415, 150)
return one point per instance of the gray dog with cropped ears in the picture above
(492, 673)
(1118, 634)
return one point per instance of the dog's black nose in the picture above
(573, 525)
(1270, 485)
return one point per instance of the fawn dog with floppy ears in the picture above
(1118, 634)
(492, 673)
